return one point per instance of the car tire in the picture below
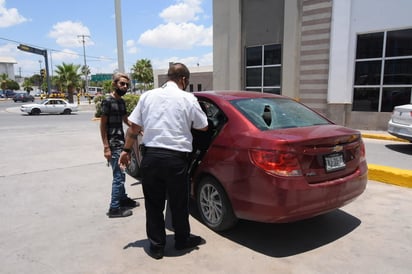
(35, 111)
(67, 111)
(133, 169)
(214, 206)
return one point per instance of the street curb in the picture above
(390, 175)
(385, 174)
(382, 137)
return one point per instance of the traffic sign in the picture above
(32, 50)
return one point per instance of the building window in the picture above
(383, 71)
(199, 87)
(263, 68)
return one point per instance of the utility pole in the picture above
(86, 71)
(119, 35)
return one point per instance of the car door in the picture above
(59, 106)
(51, 107)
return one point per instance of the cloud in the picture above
(191, 61)
(8, 49)
(131, 47)
(179, 31)
(65, 55)
(177, 36)
(71, 34)
(9, 17)
(183, 11)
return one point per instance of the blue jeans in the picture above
(119, 179)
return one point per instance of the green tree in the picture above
(7, 83)
(143, 73)
(107, 86)
(85, 71)
(27, 85)
(68, 78)
(3, 80)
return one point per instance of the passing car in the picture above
(51, 106)
(23, 97)
(269, 158)
(400, 124)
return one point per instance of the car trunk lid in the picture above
(324, 152)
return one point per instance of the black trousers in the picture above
(164, 174)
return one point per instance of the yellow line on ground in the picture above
(382, 137)
(390, 175)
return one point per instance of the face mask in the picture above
(120, 92)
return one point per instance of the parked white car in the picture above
(52, 106)
(400, 124)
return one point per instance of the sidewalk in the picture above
(386, 174)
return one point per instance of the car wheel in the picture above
(214, 205)
(133, 169)
(35, 111)
(67, 111)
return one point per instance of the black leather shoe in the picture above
(190, 242)
(156, 252)
(129, 203)
(119, 212)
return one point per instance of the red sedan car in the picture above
(268, 158)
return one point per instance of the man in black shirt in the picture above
(111, 130)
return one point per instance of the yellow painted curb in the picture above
(382, 137)
(390, 175)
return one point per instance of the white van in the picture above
(94, 91)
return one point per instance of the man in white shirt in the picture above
(166, 115)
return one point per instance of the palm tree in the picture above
(27, 85)
(143, 73)
(85, 71)
(68, 78)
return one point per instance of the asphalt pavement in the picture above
(386, 171)
(56, 190)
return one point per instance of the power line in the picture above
(55, 50)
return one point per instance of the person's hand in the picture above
(107, 153)
(124, 160)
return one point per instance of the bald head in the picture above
(177, 71)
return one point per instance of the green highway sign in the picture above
(101, 77)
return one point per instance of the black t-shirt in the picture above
(115, 110)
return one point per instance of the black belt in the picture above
(176, 153)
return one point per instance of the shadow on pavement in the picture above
(283, 240)
(401, 148)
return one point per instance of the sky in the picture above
(161, 31)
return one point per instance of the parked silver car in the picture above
(400, 124)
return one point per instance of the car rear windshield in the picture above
(277, 113)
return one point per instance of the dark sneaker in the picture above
(119, 212)
(129, 203)
(190, 242)
(156, 252)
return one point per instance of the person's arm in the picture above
(126, 121)
(131, 135)
(103, 134)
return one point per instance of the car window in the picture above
(276, 113)
(213, 113)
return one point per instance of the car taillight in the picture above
(362, 151)
(283, 163)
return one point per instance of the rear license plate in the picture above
(334, 162)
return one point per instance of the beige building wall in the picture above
(227, 46)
